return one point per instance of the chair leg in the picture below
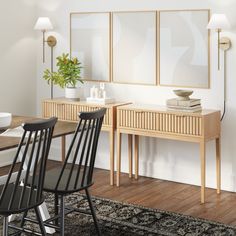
(56, 208)
(5, 226)
(40, 220)
(23, 219)
(62, 216)
(93, 212)
(22, 222)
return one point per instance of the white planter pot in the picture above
(72, 93)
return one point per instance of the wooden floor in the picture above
(165, 195)
(169, 196)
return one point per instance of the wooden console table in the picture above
(154, 121)
(67, 110)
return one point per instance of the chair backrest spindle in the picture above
(78, 167)
(32, 154)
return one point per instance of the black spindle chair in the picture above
(16, 196)
(77, 171)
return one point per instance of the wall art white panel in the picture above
(134, 47)
(90, 42)
(184, 48)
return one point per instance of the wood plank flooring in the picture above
(169, 196)
(165, 195)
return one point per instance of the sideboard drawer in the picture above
(162, 122)
(54, 109)
(69, 112)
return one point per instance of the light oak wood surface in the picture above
(61, 129)
(159, 122)
(130, 150)
(67, 110)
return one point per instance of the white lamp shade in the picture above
(43, 23)
(218, 21)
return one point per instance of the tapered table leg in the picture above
(136, 155)
(118, 158)
(203, 170)
(111, 157)
(218, 165)
(130, 150)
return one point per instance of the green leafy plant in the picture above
(68, 73)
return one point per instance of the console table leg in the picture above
(130, 150)
(136, 155)
(111, 157)
(203, 170)
(63, 148)
(118, 158)
(218, 165)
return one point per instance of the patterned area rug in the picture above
(116, 219)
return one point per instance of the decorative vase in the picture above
(72, 93)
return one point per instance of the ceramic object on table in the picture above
(183, 95)
(5, 119)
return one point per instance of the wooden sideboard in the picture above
(155, 121)
(67, 110)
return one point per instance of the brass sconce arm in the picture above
(43, 45)
(218, 42)
(51, 41)
(224, 44)
(218, 22)
(43, 24)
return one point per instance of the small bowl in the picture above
(5, 119)
(183, 94)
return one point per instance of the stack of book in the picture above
(191, 105)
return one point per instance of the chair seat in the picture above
(15, 206)
(51, 179)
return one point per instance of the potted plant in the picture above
(67, 75)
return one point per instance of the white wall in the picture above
(17, 61)
(177, 161)
(17, 57)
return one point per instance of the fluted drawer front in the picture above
(163, 122)
(54, 109)
(70, 112)
(73, 110)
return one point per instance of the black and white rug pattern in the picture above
(116, 219)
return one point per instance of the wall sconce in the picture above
(44, 24)
(220, 22)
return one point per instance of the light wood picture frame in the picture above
(90, 42)
(134, 56)
(184, 48)
(143, 56)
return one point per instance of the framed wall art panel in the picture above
(184, 48)
(134, 47)
(90, 42)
